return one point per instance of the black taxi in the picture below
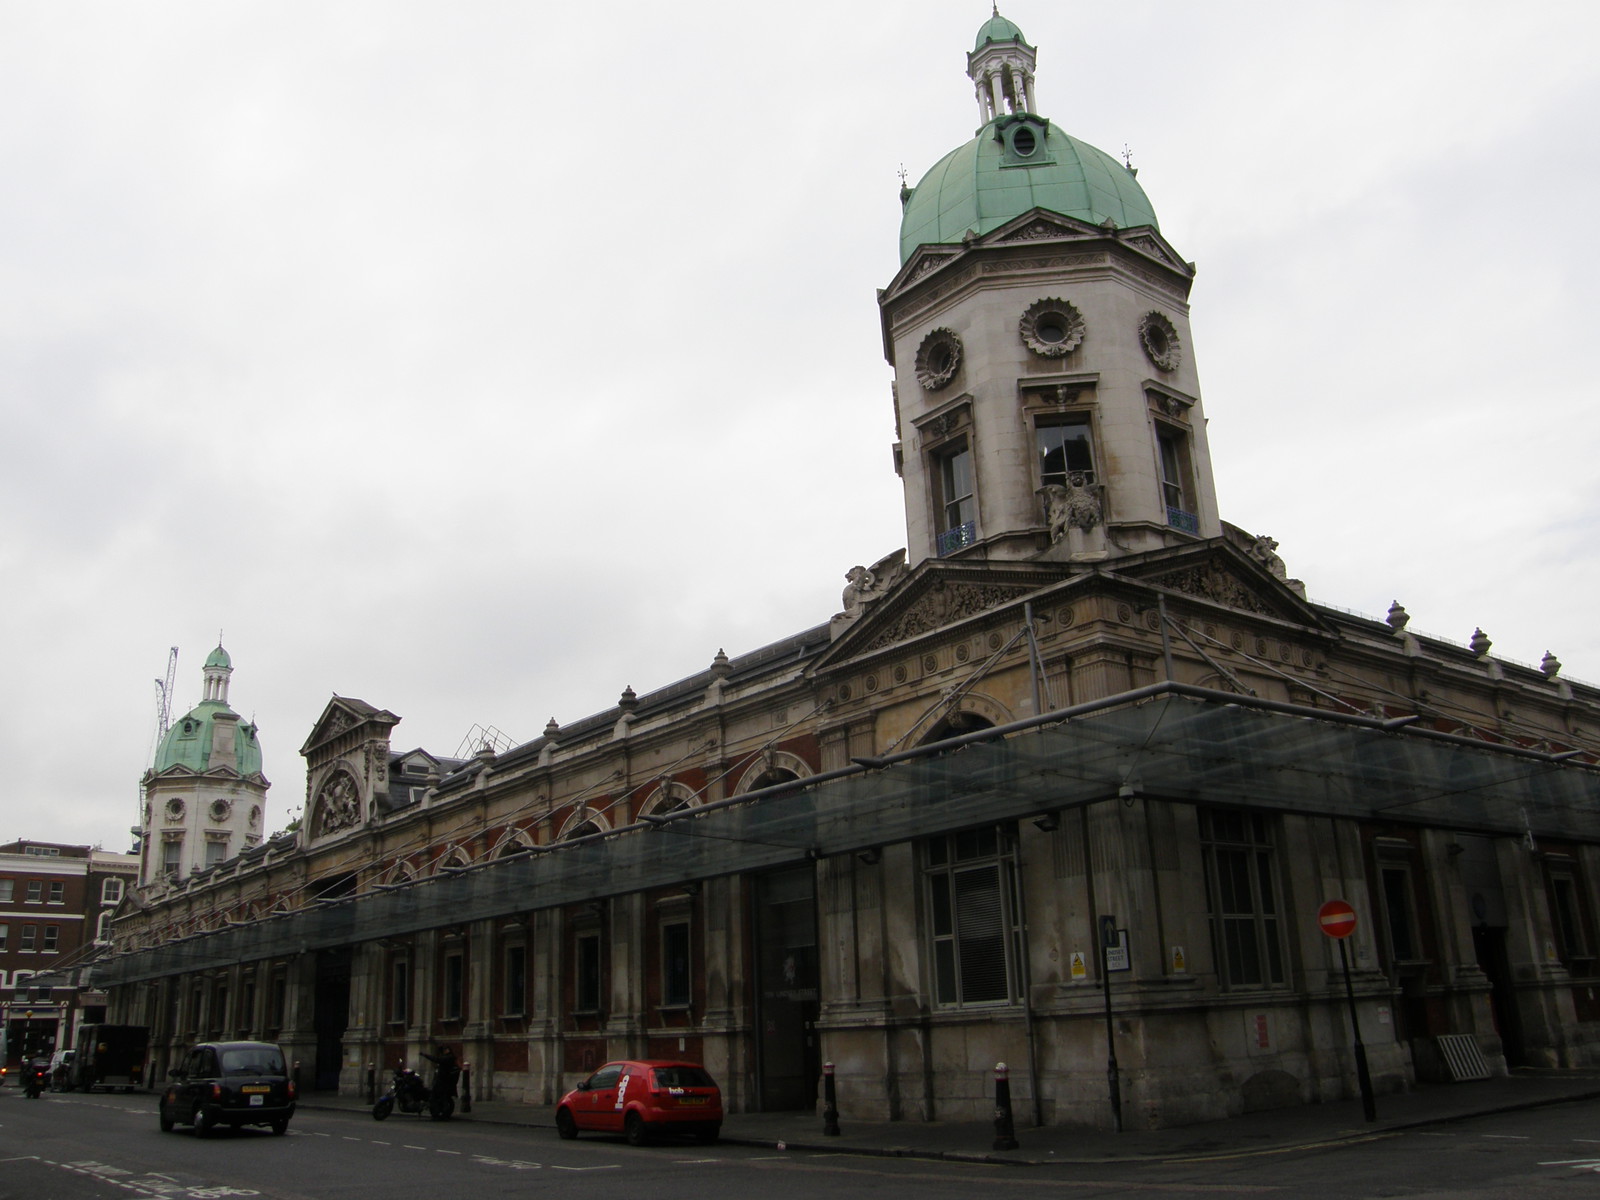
(228, 1083)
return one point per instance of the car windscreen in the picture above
(685, 1077)
(252, 1060)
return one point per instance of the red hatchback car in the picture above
(641, 1099)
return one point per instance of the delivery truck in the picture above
(111, 1056)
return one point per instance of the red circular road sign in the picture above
(1338, 919)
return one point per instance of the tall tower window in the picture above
(172, 856)
(1064, 449)
(957, 503)
(1177, 489)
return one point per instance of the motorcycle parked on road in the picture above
(409, 1094)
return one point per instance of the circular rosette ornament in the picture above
(1052, 328)
(1160, 341)
(938, 359)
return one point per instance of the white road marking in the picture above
(1577, 1164)
(1507, 1137)
(607, 1167)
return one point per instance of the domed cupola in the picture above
(1018, 161)
(1047, 399)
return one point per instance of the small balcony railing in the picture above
(1179, 519)
(952, 540)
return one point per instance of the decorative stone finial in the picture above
(629, 700)
(1480, 643)
(1398, 617)
(551, 729)
(1550, 665)
(720, 666)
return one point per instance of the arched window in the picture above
(668, 798)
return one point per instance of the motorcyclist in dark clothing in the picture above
(446, 1074)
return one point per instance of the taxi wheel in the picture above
(635, 1130)
(165, 1117)
(280, 1126)
(566, 1127)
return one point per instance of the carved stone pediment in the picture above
(1155, 248)
(943, 603)
(1226, 576)
(1212, 581)
(924, 263)
(1044, 225)
(347, 721)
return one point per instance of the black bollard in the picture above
(372, 1083)
(1005, 1132)
(297, 1075)
(830, 1103)
(466, 1087)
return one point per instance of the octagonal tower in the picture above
(1048, 405)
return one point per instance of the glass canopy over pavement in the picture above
(1168, 741)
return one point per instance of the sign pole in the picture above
(1108, 935)
(1369, 1106)
(1338, 920)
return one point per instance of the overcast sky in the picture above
(479, 359)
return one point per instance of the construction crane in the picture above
(164, 702)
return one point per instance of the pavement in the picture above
(1278, 1131)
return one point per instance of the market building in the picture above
(1079, 708)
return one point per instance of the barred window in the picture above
(975, 925)
(1242, 897)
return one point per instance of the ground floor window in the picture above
(516, 983)
(455, 979)
(675, 991)
(399, 991)
(1242, 897)
(974, 921)
(586, 977)
(1569, 915)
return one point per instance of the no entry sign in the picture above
(1338, 919)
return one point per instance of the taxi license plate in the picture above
(255, 1089)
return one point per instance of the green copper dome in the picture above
(987, 182)
(188, 742)
(997, 29)
(219, 658)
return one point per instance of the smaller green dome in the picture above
(188, 742)
(219, 658)
(983, 184)
(997, 29)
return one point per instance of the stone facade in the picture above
(1082, 746)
